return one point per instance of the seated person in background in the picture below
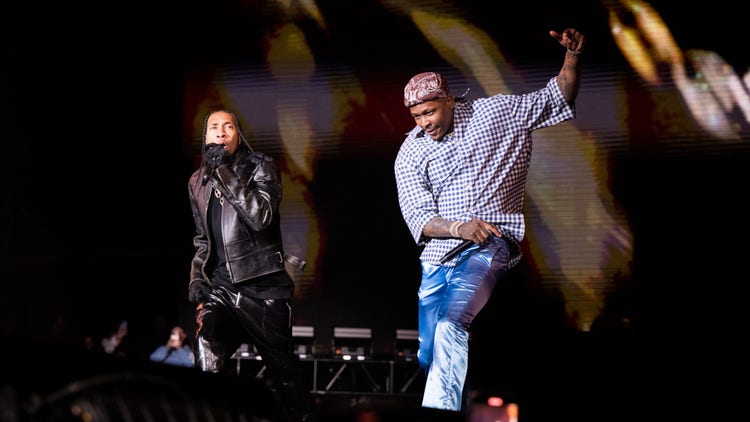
(175, 352)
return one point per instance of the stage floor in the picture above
(578, 378)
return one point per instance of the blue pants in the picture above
(449, 300)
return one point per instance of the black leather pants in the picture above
(226, 320)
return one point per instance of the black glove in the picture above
(214, 155)
(199, 291)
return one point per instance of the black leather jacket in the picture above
(251, 187)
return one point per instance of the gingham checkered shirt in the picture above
(478, 171)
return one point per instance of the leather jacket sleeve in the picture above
(199, 196)
(256, 199)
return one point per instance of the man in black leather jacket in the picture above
(238, 279)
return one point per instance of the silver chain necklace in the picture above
(219, 195)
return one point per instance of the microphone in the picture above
(456, 250)
(207, 175)
(213, 156)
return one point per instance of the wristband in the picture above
(574, 52)
(455, 227)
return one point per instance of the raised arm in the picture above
(569, 77)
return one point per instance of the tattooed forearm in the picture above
(569, 77)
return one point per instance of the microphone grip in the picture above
(206, 176)
(456, 251)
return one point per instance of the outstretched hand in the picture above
(571, 39)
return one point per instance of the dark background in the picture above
(96, 226)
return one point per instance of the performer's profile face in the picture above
(435, 117)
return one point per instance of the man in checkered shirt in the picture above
(461, 174)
